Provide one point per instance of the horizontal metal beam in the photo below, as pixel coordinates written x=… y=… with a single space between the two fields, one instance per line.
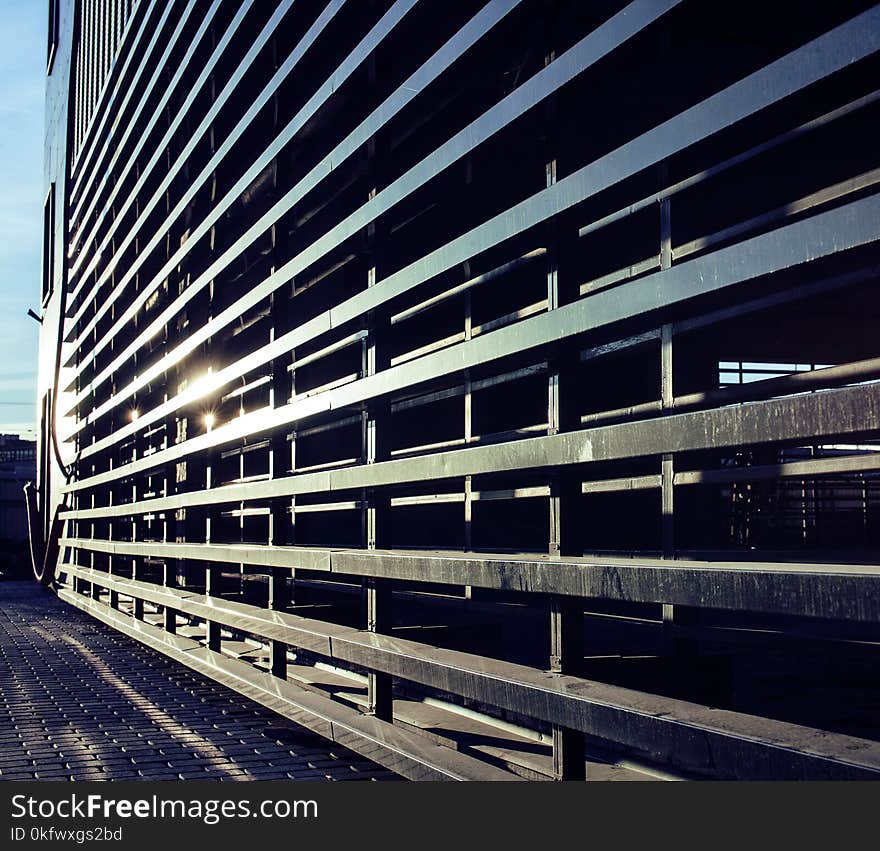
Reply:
x=685 y=735
x=855 y=463
x=854 y=224
x=796 y=382
x=77 y=335
x=369 y=126
x=589 y=50
x=194 y=90
x=143 y=131
x=726 y=165
x=846 y=411
x=833 y=591
x=835 y=49
x=738 y=310
x=625 y=483
x=402 y=751
x=846 y=465
x=802 y=67
x=123 y=87
x=792 y=208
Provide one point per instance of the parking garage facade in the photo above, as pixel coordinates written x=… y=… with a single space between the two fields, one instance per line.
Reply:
x=489 y=387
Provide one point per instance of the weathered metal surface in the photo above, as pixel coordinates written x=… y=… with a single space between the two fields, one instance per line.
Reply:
x=849 y=411
x=688 y=737
x=846 y=591
x=88 y=199
x=527 y=96
x=798 y=243
x=448 y=321
x=405 y=753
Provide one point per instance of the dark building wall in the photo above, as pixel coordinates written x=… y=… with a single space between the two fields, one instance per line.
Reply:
x=421 y=313
x=17 y=466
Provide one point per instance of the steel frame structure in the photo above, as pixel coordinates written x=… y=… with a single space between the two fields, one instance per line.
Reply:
x=380 y=371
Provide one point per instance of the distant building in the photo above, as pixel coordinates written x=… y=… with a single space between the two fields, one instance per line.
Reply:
x=18 y=465
x=14 y=448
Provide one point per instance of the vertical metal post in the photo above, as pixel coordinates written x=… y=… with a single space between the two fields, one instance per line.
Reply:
x=566 y=614
x=667 y=396
x=93 y=591
x=665 y=229
x=213 y=572
x=170 y=613
x=468 y=515
x=666 y=464
x=468 y=429
x=376 y=592
x=114 y=596
x=672 y=615
x=138 y=608
x=566 y=632
x=278 y=602
x=566 y=657
x=669 y=613
x=211 y=588
x=378 y=610
x=138 y=602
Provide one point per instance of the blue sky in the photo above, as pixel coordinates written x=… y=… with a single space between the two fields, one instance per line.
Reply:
x=22 y=72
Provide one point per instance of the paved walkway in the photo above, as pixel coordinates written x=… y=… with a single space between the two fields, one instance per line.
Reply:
x=79 y=701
